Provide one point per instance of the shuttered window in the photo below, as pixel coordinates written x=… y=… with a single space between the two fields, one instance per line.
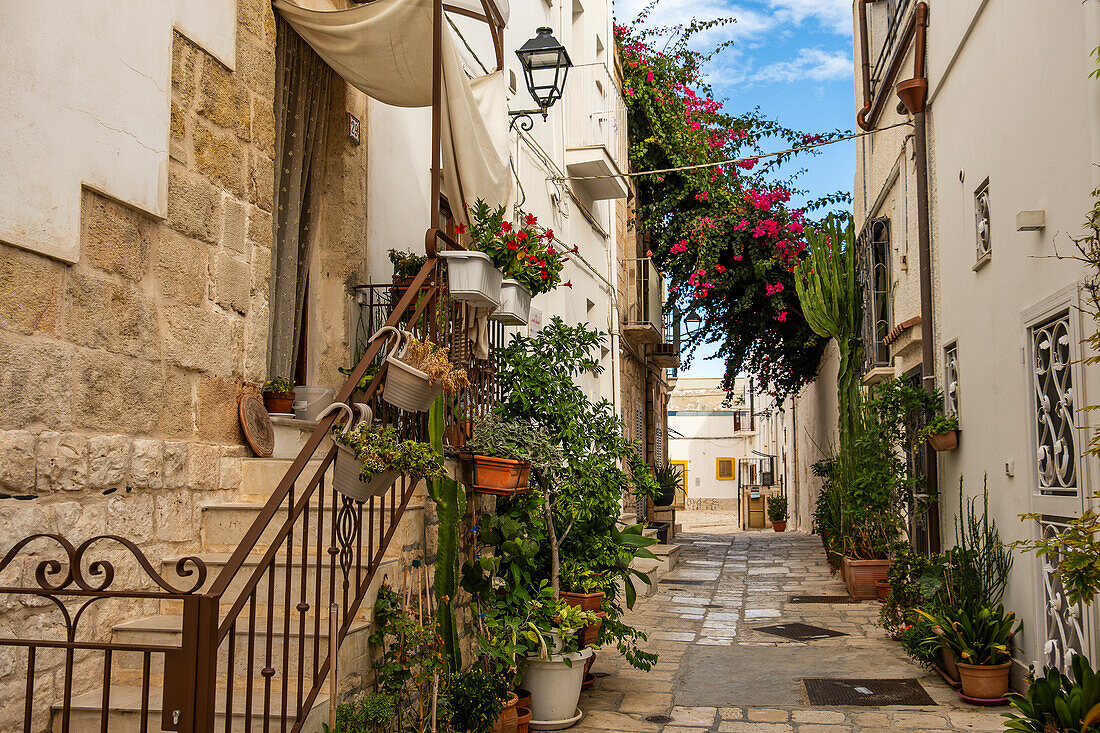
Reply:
x=725 y=469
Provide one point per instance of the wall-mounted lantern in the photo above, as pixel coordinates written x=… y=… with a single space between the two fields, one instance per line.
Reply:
x=545 y=65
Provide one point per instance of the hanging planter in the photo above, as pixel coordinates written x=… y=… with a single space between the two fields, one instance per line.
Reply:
x=417 y=372
x=942 y=442
x=472 y=278
x=371 y=458
x=942 y=433
x=515 y=304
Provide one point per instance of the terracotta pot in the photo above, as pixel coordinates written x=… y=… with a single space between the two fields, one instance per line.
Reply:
x=947 y=659
x=590 y=632
x=882 y=589
x=984 y=681
x=524 y=698
x=860 y=576
x=498 y=476
x=524 y=714
x=584 y=601
x=944 y=441
x=589 y=679
x=508 y=719
x=779 y=525
x=279 y=402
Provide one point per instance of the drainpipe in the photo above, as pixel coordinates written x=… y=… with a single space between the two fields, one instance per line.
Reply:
x=914 y=94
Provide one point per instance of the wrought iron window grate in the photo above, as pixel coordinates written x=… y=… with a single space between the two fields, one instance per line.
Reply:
x=873 y=254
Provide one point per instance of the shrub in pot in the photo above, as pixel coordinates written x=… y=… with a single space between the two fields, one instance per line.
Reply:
x=501 y=453
x=278 y=393
x=980 y=639
x=777 y=512
x=418 y=372
x=554 y=672
x=1058 y=702
x=942 y=433
x=481 y=702
x=370 y=458
x=670 y=477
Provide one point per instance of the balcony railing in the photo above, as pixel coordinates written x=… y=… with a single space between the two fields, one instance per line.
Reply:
x=595 y=112
x=644 y=316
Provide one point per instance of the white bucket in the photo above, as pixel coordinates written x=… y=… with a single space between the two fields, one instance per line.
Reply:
x=407 y=388
x=555 y=688
x=346 y=480
x=515 y=304
x=472 y=278
x=309 y=402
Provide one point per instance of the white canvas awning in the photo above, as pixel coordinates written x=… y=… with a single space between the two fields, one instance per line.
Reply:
x=384 y=49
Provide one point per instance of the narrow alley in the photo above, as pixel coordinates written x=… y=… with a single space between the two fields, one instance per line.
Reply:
x=719 y=672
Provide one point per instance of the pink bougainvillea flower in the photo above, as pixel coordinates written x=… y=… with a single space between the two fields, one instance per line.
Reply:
x=781 y=316
x=720 y=268
x=737 y=258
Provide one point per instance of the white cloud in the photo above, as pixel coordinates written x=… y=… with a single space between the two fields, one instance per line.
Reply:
x=834 y=15
x=812 y=64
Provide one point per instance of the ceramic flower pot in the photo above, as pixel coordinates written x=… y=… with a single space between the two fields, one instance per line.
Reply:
x=984 y=681
x=498 y=476
x=508 y=719
x=346 y=480
x=472 y=278
x=779 y=525
x=583 y=601
x=279 y=403
x=860 y=576
x=882 y=589
x=524 y=696
x=555 y=686
x=947 y=660
x=515 y=304
x=944 y=441
x=523 y=718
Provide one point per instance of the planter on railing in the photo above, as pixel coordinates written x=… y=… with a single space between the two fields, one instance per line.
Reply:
x=472 y=278
x=515 y=304
x=406 y=387
x=942 y=442
x=496 y=476
x=347 y=468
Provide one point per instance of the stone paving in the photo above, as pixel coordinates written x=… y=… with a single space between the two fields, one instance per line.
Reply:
x=718 y=674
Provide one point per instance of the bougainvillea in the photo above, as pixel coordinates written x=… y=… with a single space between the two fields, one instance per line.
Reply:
x=721 y=232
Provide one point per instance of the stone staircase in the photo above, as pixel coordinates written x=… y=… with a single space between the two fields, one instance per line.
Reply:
x=221 y=529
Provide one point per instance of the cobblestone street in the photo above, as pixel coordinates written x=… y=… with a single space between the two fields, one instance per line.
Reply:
x=718 y=673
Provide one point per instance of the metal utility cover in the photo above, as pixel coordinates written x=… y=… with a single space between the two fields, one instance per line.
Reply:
x=673 y=581
x=866 y=693
x=822 y=599
x=799 y=631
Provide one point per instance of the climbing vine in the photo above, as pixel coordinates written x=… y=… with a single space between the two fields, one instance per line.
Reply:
x=723 y=234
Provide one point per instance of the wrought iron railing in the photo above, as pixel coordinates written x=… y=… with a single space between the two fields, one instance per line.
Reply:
x=257 y=645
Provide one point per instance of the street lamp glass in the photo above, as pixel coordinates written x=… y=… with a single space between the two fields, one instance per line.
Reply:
x=545 y=66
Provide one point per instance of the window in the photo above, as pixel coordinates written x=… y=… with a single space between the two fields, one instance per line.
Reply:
x=725 y=471
x=683 y=477
x=951 y=379
x=885 y=25
x=1053 y=406
x=873 y=253
x=983 y=242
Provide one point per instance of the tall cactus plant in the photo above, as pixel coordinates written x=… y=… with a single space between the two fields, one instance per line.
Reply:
x=828 y=289
x=450 y=502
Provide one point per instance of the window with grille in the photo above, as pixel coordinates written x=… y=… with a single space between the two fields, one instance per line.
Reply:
x=951 y=379
x=983 y=240
x=725 y=470
x=873 y=250
x=1053 y=406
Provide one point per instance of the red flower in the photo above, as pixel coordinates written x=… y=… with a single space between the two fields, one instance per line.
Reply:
x=530 y=220
x=521 y=235
x=575 y=249
x=568 y=284
x=720 y=268
x=506 y=226
x=549 y=234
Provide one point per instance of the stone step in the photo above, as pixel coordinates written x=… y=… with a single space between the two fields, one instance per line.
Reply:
x=125 y=711
x=291 y=435
x=224 y=525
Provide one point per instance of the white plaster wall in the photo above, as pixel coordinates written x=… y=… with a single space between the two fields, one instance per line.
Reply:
x=1011 y=100
x=86 y=89
x=814 y=429
x=706 y=439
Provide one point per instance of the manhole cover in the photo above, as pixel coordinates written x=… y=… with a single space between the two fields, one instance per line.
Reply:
x=658 y=719
x=822 y=599
x=866 y=692
x=799 y=631
x=674 y=581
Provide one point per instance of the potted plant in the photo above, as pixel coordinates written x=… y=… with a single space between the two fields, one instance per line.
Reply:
x=554 y=672
x=942 y=433
x=980 y=639
x=669 y=477
x=406 y=266
x=278 y=395
x=418 y=372
x=777 y=512
x=500 y=455
x=530 y=263
x=370 y=458
x=481 y=702
x=1058 y=702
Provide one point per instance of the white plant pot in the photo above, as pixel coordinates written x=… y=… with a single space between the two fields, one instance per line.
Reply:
x=346 y=480
x=515 y=304
x=407 y=387
x=555 y=688
x=472 y=278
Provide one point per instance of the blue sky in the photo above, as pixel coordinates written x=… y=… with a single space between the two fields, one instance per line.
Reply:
x=793 y=60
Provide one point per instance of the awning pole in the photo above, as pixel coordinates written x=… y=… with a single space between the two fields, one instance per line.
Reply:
x=437 y=125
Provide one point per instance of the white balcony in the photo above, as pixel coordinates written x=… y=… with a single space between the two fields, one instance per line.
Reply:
x=596 y=135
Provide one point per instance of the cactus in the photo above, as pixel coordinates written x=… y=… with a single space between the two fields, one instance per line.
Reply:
x=450 y=501
x=829 y=291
